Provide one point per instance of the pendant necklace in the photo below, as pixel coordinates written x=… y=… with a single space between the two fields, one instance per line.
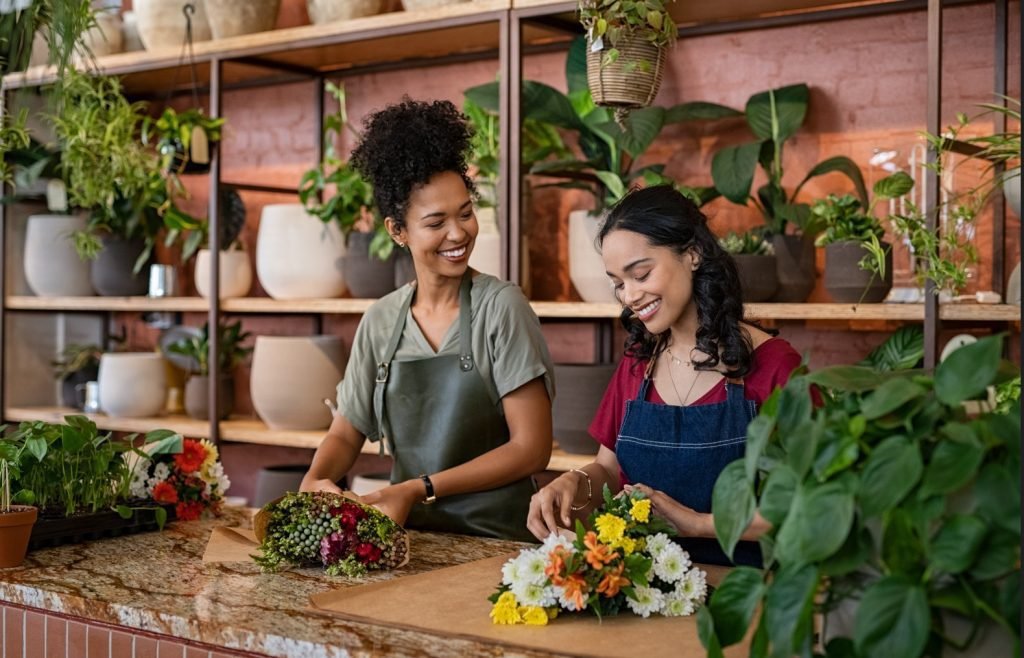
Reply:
x=672 y=378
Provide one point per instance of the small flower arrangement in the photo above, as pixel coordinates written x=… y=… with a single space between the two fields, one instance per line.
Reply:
x=627 y=561
x=192 y=480
x=322 y=528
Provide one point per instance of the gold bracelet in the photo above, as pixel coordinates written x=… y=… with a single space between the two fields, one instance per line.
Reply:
x=590 y=490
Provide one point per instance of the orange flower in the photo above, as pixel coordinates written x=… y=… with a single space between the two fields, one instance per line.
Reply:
x=575 y=587
x=613 y=581
x=191 y=457
x=164 y=492
x=597 y=554
x=556 y=565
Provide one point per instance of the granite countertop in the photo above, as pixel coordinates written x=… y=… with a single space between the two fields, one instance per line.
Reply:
x=157 y=582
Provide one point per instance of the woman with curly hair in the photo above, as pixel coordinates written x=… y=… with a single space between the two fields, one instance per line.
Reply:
x=694 y=372
x=450 y=372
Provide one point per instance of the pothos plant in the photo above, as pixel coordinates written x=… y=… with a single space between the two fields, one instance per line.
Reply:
x=887 y=497
x=351 y=198
x=750 y=243
x=172 y=135
x=615 y=21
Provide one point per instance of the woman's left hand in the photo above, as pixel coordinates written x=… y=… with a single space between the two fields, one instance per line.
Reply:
x=396 y=500
x=687 y=522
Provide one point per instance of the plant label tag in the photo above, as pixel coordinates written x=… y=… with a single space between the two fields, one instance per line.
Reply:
x=56 y=195
x=597 y=45
x=200 y=149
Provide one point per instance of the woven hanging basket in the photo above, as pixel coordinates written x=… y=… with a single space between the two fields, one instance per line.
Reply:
x=625 y=83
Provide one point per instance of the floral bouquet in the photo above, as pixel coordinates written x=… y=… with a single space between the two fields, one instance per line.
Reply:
x=319 y=528
x=630 y=562
x=192 y=480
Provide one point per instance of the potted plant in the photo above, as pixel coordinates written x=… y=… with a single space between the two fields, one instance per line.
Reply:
x=16 y=521
x=627 y=42
x=755 y=263
x=231 y=354
x=773 y=117
x=77 y=365
x=184 y=140
x=889 y=506
x=63 y=25
x=235 y=266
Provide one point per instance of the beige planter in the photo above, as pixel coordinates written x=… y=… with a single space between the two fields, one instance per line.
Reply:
x=416 y=5
x=162 y=24
x=586 y=268
x=106 y=37
x=486 y=256
x=231 y=18
x=132 y=384
x=328 y=11
x=291 y=377
x=130 y=32
x=52 y=266
x=235 y=273
x=297 y=255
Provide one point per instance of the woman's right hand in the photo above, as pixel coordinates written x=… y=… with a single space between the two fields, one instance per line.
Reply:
x=551 y=507
x=319 y=485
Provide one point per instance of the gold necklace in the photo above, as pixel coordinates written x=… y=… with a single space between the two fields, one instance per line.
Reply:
x=672 y=379
x=676 y=360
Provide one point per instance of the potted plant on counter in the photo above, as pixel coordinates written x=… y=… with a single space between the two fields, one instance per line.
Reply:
x=894 y=514
x=755 y=263
x=16 y=521
x=231 y=354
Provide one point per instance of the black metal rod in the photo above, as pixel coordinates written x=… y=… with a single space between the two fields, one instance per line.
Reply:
x=318 y=127
x=998 y=202
x=286 y=67
x=216 y=110
x=3 y=277
x=269 y=189
x=931 y=202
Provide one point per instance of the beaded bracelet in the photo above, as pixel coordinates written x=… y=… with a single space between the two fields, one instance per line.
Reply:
x=590 y=490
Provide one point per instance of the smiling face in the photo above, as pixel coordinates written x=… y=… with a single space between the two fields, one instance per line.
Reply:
x=656 y=283
x=440 y=226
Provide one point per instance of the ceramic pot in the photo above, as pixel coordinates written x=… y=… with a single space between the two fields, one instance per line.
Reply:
x=586 y=268
x=15 y=530
x=366 y=276
x=235 y=273
x=846 y=282
x=486 y=256
x=130 y=32
x=72 y=387
x=794 y=267
x=758 y=277
x=328 y=11
x=52 y=266
x=291 y=377
x=231 y=18
x=297 y=255
x=1013 y=286
x=1011 y=189
x=416 y=5
x=112 y=271
x=106 y=37
x=161 y=23
x=580 y=389
x=132 y=384
x=197 y=397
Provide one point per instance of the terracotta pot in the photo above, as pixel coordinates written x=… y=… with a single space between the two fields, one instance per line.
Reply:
x=291 y=377
x=52 y=266
x=235 y=273
x=15 y=530
x=794 y=266
x=366 y=276
x=161 y=23
x=297 y=255
x=622 y=83
x=580 y=389
x=586 y=268
x=416 y=5
x=328 y=11
x=758 y=277
x=846 y=282
x=197 y=397
x=132 y=384
x=231 y=18
x=486 y=256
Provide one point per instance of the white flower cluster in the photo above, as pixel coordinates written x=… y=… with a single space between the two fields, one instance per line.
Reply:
x=215 y=479
x=524 y=574
x=687 y=585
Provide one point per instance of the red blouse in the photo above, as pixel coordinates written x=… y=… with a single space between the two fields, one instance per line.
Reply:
x=773 y=361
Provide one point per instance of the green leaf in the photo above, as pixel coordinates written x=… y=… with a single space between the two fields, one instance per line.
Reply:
x=124 y=511
x=802 y=444
x=901 y=351
x=853 y=379
x=890 y=472
x=902 y=547
x=789 y=600
x=954 y=548
x=778 y=493
x=851 y=556
x=999 y=555
x=732 y=505
x=161 y=517
x=733 y=604
x=968 y=370
x=840 y=647
x=545 y=103
x=997 y=491
x=758 y=432
x=794 y=406
x=892 y=619
x=732 y=170
x=642 y=128
x=836 y=456
x=73 y=440
x=838 y=164
x=790 y=110
x=953 y=464
x=37 y=447
x=576 y=67
x=616 y=188
x=817 y=524
x=889 y=397
x=706 y=633
x=893 y=186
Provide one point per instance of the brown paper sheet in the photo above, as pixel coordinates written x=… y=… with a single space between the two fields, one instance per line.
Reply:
x=230 y=545
x=453 y=602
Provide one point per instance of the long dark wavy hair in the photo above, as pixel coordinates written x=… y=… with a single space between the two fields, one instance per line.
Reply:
x=666 y=218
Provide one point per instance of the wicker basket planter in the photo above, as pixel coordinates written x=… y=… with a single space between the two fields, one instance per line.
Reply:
x=627 y=82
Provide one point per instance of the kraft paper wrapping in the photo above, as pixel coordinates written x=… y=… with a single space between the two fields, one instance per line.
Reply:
x=231 y=545
x=453 y=602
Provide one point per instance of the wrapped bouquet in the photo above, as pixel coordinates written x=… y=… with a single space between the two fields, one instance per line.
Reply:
x=192 y=478
x=321 y=528
x=627 y=561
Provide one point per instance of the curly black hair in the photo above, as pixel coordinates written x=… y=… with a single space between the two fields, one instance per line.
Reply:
x=405 y=145
x=666 y=218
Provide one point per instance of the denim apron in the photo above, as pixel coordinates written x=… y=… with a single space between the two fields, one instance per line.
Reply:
x=437 y=413
x=682 y=450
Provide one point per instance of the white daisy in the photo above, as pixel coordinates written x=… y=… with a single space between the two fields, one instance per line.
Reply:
x=693 y=586
x=657 y=543
x=671 y=563
x=532 y=567
x=161 y=472
x=678 y=606
x=645 y=601
x=534 y=594
x=553 y=540
x=138 y=486
x=511 y=571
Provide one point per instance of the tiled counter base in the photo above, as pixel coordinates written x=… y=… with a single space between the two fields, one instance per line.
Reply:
x=151 y=595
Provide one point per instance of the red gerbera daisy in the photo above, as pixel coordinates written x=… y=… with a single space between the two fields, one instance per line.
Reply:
x=191 y=456
x=164 y=492
x=189 y=511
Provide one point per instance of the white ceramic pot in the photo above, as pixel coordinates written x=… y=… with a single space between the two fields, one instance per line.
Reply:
x=1011 y=189
x=162 y=24
x=132 y=384
x=586 y=268
x=106 y=37
x=235 y=273
x=291 y=377
x=328 y=11
x=130 y=32
x=231 y=18
x=297 y=255
x=416 y=5
x=52 y=266
x=486 y=256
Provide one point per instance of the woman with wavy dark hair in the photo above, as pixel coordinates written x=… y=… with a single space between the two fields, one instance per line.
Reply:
x=694 y=372
x=451 y=372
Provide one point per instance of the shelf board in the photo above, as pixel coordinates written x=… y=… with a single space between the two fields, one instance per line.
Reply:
x=267 y=305
x=102 y=304
x=184 y=425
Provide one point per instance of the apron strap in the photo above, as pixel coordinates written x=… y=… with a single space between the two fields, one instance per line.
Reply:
x=649 y=372
x=465 y=324
x=384 y=371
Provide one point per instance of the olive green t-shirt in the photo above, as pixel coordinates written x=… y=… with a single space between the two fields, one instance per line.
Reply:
x=508 y=347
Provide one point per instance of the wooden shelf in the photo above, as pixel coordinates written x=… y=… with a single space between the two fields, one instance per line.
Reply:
x=184 y=425
x=105 y=304
x=267 y=305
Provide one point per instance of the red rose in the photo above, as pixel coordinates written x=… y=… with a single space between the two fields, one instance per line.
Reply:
x=164 y=492
x=191 y=457
x=189 y=511
x=367 y=553
x=351 y=515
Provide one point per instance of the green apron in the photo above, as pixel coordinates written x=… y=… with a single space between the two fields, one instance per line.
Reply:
x=437 y=413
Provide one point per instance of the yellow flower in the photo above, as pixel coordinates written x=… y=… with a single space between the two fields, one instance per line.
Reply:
x=641 y=510
x=534 y=615
x=627 y=544
x=211 y=455
x=610 y=528
x=505 y=611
